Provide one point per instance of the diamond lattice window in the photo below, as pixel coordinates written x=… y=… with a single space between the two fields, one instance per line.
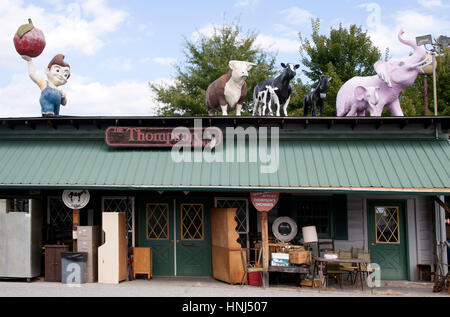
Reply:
x=59 y=215
x=387 y=225
x=192 y=222
x=157 y=221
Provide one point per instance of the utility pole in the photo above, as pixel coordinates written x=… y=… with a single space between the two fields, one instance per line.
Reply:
x=425 y=84
x=434 y=85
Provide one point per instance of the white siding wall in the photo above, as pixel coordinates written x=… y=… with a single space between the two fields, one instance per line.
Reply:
x=424 y=230
x=420 y=227
x=356 y=224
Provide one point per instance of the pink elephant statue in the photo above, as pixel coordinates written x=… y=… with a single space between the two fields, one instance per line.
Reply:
x=392 y=77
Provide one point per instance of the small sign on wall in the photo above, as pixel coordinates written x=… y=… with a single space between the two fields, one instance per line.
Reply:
x=264 y=201
x=75 y=199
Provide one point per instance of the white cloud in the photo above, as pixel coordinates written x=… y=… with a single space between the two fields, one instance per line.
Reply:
x=297 y=16
x=206 y=31
x=413 y=23
x=430 y=3
x=77 y=26
x=165 y=60
x=286 y=31
x=267 y=42
x=276 y=44
x=120 y=64
x=85 y=97
x=245 y=3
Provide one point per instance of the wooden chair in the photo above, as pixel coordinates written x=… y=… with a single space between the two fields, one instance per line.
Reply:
x=364 y=271
x=349 y=268
x=334 y=271
x=248 y=266
x=329 y=246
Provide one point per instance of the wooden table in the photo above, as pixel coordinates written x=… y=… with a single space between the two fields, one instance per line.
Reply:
x=319 y=263
x=289 y=269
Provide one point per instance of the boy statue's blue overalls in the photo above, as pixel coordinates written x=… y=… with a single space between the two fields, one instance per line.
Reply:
x=58 y=71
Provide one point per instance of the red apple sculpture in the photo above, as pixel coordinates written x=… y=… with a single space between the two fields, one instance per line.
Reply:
x=29 y=40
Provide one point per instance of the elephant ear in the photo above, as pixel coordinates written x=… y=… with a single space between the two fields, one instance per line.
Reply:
x=360 y=93
x=382 y=71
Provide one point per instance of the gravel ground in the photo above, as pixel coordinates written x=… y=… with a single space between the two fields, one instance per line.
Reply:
x=205 y=287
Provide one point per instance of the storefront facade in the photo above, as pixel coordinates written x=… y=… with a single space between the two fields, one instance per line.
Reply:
x=369 y=183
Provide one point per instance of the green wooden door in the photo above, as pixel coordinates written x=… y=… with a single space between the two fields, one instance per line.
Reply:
x=180 y=238
x=156 y=231
x=193 y=248
x=387 y=237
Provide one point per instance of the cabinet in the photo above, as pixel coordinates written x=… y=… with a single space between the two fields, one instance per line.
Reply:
x=53 y=262
x=113 y=254
x=89 y=239
x=20 y=238
x=142 y=261
x=226 y=251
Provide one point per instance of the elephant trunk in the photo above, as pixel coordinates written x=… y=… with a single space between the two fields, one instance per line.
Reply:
x=412 y=44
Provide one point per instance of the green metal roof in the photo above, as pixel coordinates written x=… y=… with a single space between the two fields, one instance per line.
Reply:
x=417 y=166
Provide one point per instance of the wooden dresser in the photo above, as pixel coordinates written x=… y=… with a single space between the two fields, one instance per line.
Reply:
x=53 y=261
x=226 y=251
x=142 y=262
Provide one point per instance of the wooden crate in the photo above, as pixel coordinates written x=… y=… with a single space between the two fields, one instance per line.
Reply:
x=300 y=257
x=308 y=283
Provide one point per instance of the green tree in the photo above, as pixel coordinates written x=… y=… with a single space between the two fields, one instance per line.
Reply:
x=206 y=59
x=343 y=54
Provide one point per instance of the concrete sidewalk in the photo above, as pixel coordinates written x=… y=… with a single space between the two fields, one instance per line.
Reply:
x=207 y=287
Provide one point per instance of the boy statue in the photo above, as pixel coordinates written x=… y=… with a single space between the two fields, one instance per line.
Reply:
x=58 y=72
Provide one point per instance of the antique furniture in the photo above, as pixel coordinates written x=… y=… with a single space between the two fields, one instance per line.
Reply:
x=142 y=261
x=53 y=262
x=89 y=239
x=248 y=267
x=426 y=272
x=325 y=246
x=346 y=267
x=20 y=238
x=363 y=270
x=226 y=251
x=320 y=263
x=113 y=254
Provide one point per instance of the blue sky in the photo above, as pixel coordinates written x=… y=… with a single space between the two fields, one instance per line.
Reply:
x=116 y=47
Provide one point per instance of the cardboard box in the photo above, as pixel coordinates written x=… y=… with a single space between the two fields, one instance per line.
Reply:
x=280 y=259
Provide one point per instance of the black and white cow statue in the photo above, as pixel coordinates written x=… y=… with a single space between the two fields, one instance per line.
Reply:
x=281 y=85
x=265 y=100
x=315 y=98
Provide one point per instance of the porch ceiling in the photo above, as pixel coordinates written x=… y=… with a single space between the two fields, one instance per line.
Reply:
x=415 y=166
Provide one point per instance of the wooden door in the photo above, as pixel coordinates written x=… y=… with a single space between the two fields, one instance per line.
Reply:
x=157 y=232
x=387 y=237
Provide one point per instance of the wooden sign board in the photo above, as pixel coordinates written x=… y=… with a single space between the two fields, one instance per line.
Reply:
x=162 y=137
x=264 y=201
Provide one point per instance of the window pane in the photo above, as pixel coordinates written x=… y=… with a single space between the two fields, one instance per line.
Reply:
x=314 y=213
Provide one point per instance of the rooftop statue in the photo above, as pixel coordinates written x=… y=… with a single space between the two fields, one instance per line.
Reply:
x=58 y=72
x=29 y=42
x=371 y=94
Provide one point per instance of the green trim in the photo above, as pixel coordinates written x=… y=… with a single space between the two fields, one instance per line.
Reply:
x=427 y=192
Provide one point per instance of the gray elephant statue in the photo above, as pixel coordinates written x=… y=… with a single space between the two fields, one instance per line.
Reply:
x=392 y=77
